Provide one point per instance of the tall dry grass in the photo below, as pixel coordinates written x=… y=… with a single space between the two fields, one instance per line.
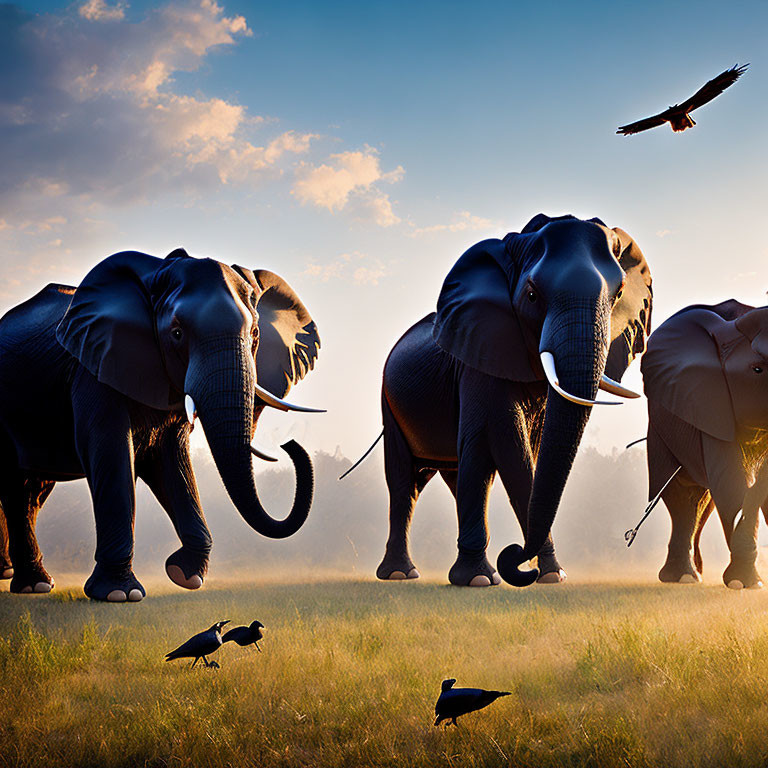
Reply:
x=630 y=675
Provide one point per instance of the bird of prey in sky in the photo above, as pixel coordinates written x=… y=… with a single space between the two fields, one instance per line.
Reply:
x=678 y=115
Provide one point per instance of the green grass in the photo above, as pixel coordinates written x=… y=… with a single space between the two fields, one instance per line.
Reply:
x=601 y=676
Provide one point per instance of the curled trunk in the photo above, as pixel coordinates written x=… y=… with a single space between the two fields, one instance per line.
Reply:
x=577 y=338
x=221 y=381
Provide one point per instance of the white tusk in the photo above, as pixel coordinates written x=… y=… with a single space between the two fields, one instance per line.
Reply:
x=262 y=454
x=283 y=405
x=189 y=407
x=609 y=385
x=548 y=364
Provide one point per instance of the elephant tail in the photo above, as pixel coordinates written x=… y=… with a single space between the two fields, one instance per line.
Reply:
x=364 y=456
x=635 y=442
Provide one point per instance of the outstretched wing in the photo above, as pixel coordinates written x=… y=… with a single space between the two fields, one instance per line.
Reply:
x=714 y=88
x=646 y=124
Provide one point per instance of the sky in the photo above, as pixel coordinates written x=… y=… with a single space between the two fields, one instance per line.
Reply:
x=358 y=148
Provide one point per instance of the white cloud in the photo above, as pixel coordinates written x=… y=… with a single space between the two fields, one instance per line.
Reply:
x=663 y=232
x=86 y=120
x=461 y=221
x=357 y=268
x=98 y=10
x=346 y=176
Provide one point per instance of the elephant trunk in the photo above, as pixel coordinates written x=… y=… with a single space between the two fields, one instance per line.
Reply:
x=220 y=380
x=577 y=338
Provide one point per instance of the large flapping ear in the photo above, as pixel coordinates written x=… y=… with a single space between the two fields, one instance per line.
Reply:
x=288 y=338
x=476 y=321
x=754 y=325
x=110 y=328
x=631 y=314
x=682 y=371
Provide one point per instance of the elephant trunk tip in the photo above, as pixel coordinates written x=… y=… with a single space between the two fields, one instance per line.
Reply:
x=508 y=565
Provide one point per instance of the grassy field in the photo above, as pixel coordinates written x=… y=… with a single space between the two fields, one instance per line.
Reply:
x=627 y=675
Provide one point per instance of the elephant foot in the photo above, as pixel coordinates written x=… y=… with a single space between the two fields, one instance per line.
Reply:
x=394 y=568
x=114 y=585
x=553 y=577
x=473 y=571
x=679 y=572
x=550 y=570
x=187 y=568
x=738 y=576
x=6 y=573
x=32 y=581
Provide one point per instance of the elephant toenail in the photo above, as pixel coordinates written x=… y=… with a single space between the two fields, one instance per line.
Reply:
x=496 y=578
x=43 y=587
x=176 y=575
x=116 y=596
x=735 y=584
x=7 y=574
x=689 y=578
x=135 y=595
x=480 y=581
x=26 y=590
x=413 y=574
x=397 y=576
x=553 y=577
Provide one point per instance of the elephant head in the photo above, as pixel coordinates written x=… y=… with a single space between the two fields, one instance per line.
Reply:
x=566 y=301
x=224 y=341
x=708 y=365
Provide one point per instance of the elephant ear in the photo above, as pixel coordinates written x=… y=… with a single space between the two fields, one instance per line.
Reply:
x=754 y=325
x=288 y=338
x=631 y=314
x=475 y=320
x=109 y=327
x=683 y=372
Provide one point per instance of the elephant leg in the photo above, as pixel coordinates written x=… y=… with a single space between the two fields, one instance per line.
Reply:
x=404 y=483
x=22 y=496
x=686 y=503
x=516 y=468
x=473 y=484
x=742 y=570
x=6 y=567
x=705 y=514
x=104 y=445
x=167 y=470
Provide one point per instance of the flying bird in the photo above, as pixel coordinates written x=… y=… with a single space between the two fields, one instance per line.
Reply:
x=454 y=702
x=243 y=636
x=200 y=645
x=678 y=115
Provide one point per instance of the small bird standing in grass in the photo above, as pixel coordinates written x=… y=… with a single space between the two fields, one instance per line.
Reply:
x=243 y=636
x=454 y=702
x=200 y=645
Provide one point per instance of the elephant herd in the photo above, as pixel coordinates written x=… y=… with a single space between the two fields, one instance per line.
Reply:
x=107 y=379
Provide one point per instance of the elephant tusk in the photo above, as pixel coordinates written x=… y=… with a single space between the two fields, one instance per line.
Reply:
x=609 y=385
x=189 y=407
x=283 y=405
x=548 y=364
x=262 y=454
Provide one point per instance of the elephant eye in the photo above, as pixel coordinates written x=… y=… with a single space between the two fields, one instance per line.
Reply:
x=176 y=333
x=757 y=368
x=531 y=295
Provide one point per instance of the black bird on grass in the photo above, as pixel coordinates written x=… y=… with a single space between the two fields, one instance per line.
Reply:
x=678 y=115
x=243 y=636
x=200 y=645
x=454 y=702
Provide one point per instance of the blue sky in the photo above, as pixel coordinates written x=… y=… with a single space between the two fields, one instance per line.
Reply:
x=358 y=149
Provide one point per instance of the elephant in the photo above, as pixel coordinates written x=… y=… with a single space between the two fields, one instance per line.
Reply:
x=502 y=378
x=704 y=375
x=105 y=381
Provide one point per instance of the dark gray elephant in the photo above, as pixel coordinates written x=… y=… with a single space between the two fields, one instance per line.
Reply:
x=706 y=379
x=95 y=382
x=503 y=378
